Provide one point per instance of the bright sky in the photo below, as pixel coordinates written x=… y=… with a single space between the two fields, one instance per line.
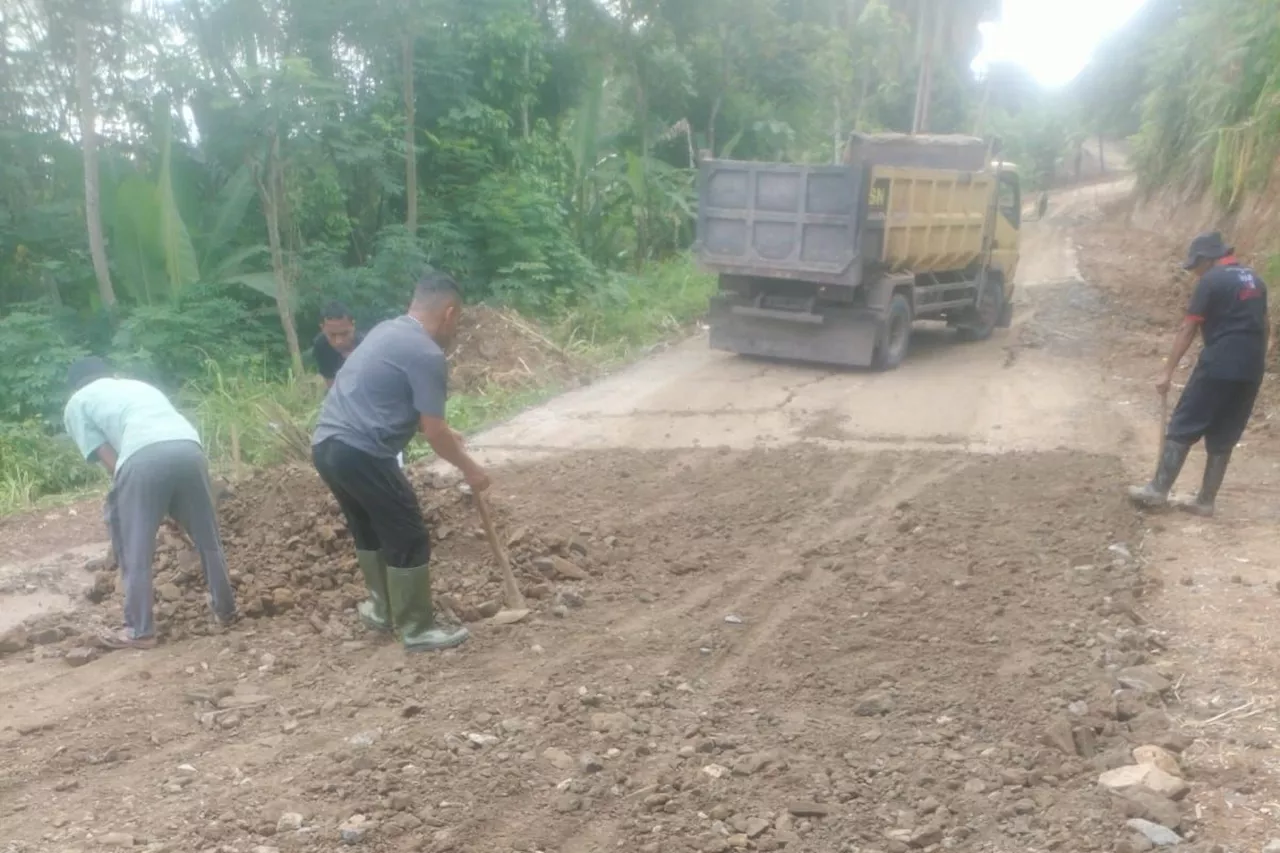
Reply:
x=1053 y=39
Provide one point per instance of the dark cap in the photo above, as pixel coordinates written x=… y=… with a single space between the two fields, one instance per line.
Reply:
x=87 y=370
x=1207 y=247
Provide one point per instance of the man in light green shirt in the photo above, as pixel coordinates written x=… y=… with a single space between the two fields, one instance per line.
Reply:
x=158 y=469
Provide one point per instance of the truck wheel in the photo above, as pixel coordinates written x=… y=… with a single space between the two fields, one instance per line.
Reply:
x=983 y=320
x=895 y=335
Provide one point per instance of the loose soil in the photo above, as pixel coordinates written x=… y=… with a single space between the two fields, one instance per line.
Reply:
x=799 y=646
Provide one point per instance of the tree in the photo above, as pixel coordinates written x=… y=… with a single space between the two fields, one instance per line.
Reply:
x=89 y=146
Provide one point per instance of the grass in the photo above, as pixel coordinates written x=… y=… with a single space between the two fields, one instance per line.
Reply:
x=248 y=416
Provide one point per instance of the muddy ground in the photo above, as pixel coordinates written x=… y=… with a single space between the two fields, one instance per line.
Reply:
x=775 y=607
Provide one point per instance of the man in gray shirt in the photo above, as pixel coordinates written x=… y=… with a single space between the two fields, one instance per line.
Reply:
x=391 y=387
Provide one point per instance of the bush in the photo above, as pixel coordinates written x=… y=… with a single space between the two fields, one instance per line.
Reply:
x=35 y=464
x=33 y=377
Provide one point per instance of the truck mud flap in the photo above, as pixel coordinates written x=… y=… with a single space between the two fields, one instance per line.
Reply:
x=830 y=334
x=1006 y=316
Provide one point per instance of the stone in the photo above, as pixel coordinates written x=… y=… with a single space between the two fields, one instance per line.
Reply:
x=590 y=763
x=1158 y=835
x=873 y=705
x=925 y=837
x=751 y=764
x=739 y=841
x=13 y=641
x=610 y=722
x=354 y=829
x=1145 y=804
x=566 y=570
x=168 y=592
x=289 y=822
x=802 y=808
x=1158 y=757
x=45 y=637
x=116 y=840
x=756 y=827
x=1059 y=735
x=1145 y=777
x=480 y=739
x=1144 y=679
x=566 y=803
x=1273 y=846
x=80 y=656
x=282 y=598
x=558 y=758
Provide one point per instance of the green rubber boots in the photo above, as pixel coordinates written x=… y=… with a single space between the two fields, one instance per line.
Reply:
x=400 y=599
x=413 y=615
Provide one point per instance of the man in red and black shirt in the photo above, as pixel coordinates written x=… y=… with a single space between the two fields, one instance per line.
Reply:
x=1229 y=308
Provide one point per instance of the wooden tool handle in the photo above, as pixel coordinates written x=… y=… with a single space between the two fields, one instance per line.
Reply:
x=511 y=589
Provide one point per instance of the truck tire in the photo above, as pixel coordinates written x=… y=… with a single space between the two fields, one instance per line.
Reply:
x=983 y=321
x=895 y=335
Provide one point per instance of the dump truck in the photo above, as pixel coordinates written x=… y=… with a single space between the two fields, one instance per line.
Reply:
x=833 y=263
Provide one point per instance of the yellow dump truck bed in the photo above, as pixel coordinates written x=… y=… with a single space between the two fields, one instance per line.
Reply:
x=930 y=220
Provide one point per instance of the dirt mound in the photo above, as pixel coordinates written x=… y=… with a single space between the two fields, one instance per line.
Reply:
x=498 y=347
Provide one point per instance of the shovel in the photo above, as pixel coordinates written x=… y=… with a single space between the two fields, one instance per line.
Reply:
x=516 y=608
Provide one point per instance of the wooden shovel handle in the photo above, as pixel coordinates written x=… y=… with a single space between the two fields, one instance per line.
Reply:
x=511 y=589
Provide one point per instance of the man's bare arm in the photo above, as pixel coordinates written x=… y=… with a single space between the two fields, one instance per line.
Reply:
x=448 y=446
x=107 y=456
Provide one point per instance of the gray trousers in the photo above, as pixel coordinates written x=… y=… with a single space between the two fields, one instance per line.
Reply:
x=169 y=478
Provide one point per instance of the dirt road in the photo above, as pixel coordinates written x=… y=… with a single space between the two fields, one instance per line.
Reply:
x=778 y=608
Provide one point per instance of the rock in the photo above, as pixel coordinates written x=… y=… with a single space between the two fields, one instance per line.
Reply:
x=82 y=655
x=282 y=599
x=1144 y=776
x=489 y=609
x=1273 y=846
x=611 y=722
x=739 y=841
x=715 y=845
x=566 y=803
x=169 y=592
x=590 y=763
x=1145 y=804
x=749 y=765
x=565 y=570
x=116 y=840
x=1144 y=679
x=801 y=808
x=354 y=829
x=756 y=827
x=289 y=822
x=1059 y=735
x=1158 y=757
x=1158 y=835
x=570 y=599
x=873 y=705
x=262 y=848
x=558 y=758
x=926 y=837
x=480 y=740
x=13 y=641
x=45 y=637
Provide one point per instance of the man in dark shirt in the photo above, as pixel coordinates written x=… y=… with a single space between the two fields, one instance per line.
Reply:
x=1229 y=308
x=393 y=386
x=337 y=340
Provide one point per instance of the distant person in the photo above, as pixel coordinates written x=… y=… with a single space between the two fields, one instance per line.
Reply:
x=1229 y=309
x=157 y=469
x=395 y=385
x=338 y=338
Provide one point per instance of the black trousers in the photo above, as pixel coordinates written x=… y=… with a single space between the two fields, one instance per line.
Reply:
x=380 y=506
x=1216 y=410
